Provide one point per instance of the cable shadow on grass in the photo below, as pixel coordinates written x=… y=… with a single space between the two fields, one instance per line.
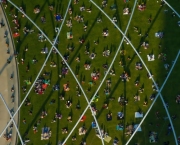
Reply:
x=124 y=121
x=117 y=13
x=144 y=38
x=58 y=109
x=52 y=16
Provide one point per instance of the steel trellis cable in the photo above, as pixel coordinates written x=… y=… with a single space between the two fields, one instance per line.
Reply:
x=105 y=74
x=53 y=45
x=142 y=62
x=172 y=8
x=12 y=120
x=62 y=58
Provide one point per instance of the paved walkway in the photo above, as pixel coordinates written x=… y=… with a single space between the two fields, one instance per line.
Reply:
x=6 y=83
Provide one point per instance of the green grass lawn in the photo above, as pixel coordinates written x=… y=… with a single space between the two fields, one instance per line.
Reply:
x=169 y=44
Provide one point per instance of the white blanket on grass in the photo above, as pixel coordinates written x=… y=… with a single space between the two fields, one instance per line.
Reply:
x=136 y=125
x=151 y=57
x=138 y=115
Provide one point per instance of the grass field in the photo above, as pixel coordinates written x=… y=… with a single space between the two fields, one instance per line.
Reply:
x=161 y=21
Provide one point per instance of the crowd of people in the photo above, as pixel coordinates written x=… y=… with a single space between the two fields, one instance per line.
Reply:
x=42 y=83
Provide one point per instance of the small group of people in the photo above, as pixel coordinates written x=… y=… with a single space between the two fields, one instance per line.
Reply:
x=125 y=77
x=41 y=85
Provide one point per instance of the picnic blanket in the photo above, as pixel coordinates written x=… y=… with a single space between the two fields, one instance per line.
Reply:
x=83 y=118
x=93 y=124
x=151 y=57
x=28 y=82
x=159 y=34
x=82 y=131
x=16 y=35
x=118 y=127
x=120 y=115
x=44 y=86
x=44 y=50
x=138 y=115
x=153 y=137
x=136 y=125
x=107 y=139
x=69 y=35
x=46 y=134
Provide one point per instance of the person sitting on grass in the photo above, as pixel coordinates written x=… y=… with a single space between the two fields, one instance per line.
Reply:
x=43 y=114
x=53 y=120
x=69 y=119
x=76 y=2
x=30 y=112
x=94 y=109
x=89 y=10
x=70 y=10
x=58 y=17
x=112 y=72
x=64 y=130
x=51 y=8
x=81 y=40
x=141 y=90
x=37 y=10
x=105 y=33
x=43 y=19
x=174 y=117
x=56 y=88
x=82 y=130
x=109 y=116
x=138 y=66
x=92 y=55
x=53 y=64
x=105 y=106
x=169 y=129
x=136 y=83
x=87 y=66
x=152 y=97
x=35 y=129
x=106 y=91
x=78 y=107
x=83 y=143
x=145 y=103
x=66 y=87
x=73 y=138
x=178 y=99
x=52 y=101
x=142 y=7
x=58 y=115
x=68 y=104
x=61 y=97
x=46 y=73
x=104 y=3
x=106 y=53
x=119 y=126
x=27 y=102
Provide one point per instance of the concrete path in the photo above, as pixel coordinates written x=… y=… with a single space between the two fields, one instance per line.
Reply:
x=6 y=84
